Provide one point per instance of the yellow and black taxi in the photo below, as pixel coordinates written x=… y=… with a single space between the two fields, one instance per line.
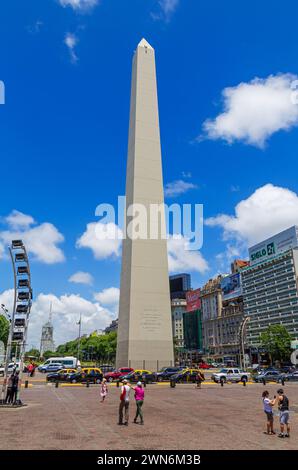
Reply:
x=90 y=374
x=60 y=375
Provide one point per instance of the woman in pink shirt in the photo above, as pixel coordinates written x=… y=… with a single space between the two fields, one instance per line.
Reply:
x=139 y=397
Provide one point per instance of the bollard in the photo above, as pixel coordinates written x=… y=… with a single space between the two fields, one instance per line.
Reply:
x=244 y=382
x=87 y=384
x=173 y=383
x=26 y=383
x=222 y=382
x=118 y=383
x=264 y=381
x=283 y=381
x=56 y=384
x=144 y=383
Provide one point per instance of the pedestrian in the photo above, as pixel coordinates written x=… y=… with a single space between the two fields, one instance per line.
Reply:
x=284 y=414
x=268 y=405
x=9 y=396
x=103 y=390
x=200 y=378
x=124 y=403
x=15 y=386
x=139 y=397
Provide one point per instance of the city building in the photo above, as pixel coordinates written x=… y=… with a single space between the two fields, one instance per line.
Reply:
x=269 y=285
x=192 y=329
x=211 y=299
x=178 y=307
x=145 y=327
x=223 y=314
x=179 y=285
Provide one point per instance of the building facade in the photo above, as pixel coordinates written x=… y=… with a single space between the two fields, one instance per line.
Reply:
x=270 y=292
x=179 y=285
x=178 y=307
x=211 y=305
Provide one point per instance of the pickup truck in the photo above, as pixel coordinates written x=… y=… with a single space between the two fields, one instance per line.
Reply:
x=230 y=375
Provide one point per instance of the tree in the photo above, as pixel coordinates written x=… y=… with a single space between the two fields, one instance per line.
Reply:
x=99 y=347
x=48 y=354
x=4 y=329
x=33 y=352
x=277 y=342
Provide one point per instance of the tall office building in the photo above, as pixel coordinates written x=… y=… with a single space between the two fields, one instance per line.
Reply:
x=269 y=285
x=144 y=328
x=179 y=285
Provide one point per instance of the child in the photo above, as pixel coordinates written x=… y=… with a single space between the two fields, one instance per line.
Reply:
x=268 y=404
x=103 y=390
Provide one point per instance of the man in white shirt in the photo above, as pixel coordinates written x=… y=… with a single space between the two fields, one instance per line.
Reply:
x=124 y=403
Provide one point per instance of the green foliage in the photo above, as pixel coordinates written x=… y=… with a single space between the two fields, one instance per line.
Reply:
x=33 y=352
x=93 y=347
x=277 y=341
x=4 y=329
x=48 y=354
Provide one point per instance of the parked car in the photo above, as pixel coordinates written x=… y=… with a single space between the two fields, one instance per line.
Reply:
x=270 y=376
x=106 y=368
x=230 y=375
x=117 y=373
x=91 y=374
x=140 y=374
x=166 y=372
x=186 y=375
x=292 y=376
x=204 y=365
x=60 y=375
x=52 y=367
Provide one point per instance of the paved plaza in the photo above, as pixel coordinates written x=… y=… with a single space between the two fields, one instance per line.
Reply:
x=215 y=417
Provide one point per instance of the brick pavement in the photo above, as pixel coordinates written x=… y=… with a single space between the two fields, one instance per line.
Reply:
x=214 y=417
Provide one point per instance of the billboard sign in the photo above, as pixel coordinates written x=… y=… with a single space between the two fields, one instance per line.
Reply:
x=274 y=246
x=231 y=286
x=193 y=300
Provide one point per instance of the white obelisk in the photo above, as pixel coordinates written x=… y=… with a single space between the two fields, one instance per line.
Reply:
x=145 y=329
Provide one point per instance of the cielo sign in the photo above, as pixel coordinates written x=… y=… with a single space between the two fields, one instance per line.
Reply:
x=268 y=251
x=276 y=245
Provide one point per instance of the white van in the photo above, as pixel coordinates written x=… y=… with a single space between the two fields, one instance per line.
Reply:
x=69 y=362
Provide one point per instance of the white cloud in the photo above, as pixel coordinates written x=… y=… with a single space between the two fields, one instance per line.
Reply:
x=81 y=278
x=79 y=5
x=103 y=239
x=255 y=110
x=269 y=210
x=71 y=40
x=18 y=220
x=66 y=311
x=167 y=9
x=178 y=187
x=40 y=240
x=108 y=296
x=182 y=259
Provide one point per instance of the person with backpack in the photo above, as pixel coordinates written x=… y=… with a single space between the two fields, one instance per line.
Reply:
x=268 y=405
x=124 y=403
x=283 y=406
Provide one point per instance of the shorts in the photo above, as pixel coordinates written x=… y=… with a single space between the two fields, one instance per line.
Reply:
x=284 y=417
x=269 y=415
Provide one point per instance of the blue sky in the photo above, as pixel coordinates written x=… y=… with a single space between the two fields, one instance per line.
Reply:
x=66 y=66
